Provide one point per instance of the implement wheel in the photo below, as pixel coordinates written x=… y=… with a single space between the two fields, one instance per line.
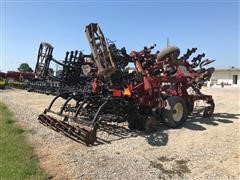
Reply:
x=176 y=114
x=136 y=121
x=171 y=51
x=208 y=111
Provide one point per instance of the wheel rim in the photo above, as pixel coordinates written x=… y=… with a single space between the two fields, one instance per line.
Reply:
x=177 y=112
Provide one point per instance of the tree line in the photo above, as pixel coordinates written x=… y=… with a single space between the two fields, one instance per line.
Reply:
x=24 y=67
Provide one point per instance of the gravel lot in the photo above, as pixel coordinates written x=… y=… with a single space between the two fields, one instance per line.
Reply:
x=204 y=148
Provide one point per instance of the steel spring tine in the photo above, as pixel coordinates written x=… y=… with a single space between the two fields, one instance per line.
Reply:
x=71 y=56
x=198 y=57
x=65 y=104
x=75 y=56
x=80 y=57
x=188 y=53
x=66 y=56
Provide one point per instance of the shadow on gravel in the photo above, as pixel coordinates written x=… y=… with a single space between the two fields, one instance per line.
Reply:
x=194 y=122
x=109 y=133
x=158 y=137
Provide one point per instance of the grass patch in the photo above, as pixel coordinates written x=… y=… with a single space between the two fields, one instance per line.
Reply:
x=17 y=84
x=17 y=159
x=177 y=169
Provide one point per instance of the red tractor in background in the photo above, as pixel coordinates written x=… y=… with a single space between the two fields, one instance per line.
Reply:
x=17 y=76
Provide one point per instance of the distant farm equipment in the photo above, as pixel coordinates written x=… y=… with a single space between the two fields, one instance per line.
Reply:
x=99 y=89
x=16 y=79
x=17 y=76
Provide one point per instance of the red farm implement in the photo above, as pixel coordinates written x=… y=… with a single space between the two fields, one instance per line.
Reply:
x=98 y=88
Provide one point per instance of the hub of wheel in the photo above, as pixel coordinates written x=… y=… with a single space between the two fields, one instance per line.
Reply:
x=177 y=112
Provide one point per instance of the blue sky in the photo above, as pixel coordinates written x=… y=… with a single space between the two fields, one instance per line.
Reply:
x=212 y=27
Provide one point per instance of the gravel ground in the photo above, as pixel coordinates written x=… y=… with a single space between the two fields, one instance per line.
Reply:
x=204 y=148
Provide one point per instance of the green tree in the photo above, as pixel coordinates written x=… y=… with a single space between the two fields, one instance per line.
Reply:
x=24 y=67
x=50 y=71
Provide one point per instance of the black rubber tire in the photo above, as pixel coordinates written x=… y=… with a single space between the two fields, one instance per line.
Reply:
x=136 y=122
x=167 y=115
x=171 y=51
x=190 y=107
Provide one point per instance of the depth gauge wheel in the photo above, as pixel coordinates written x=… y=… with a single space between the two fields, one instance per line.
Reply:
x=171 y=51
x=208 y=111
x=176 y=114
x=190 y=107
x=136 y=121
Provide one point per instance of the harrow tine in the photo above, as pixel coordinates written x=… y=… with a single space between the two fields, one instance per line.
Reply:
x=80 y=57
x=66 y=57
x=198 y=57
x=188 y=54
x=85 y=134
x=197 y=60
x=206 y=62
x=65 y=104
x=75 y=56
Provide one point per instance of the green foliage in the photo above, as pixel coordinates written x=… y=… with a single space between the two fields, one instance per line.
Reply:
x=24 y=67
x=3 y=84
x=17 y=157
x=18 y=85
x=50 y=71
